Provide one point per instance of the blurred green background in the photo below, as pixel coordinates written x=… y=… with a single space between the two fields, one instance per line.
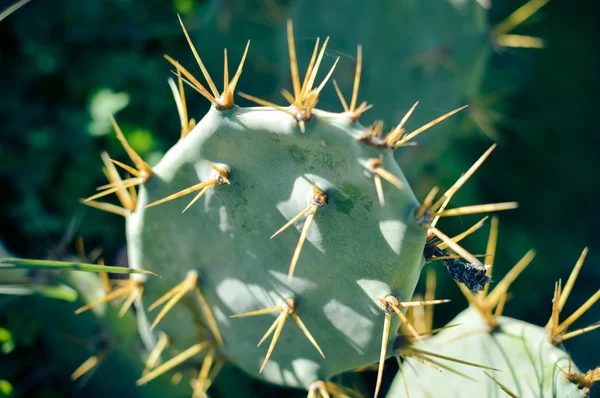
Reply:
x=66 y=66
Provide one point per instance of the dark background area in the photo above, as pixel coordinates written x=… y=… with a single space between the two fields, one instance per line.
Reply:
x=66 y=66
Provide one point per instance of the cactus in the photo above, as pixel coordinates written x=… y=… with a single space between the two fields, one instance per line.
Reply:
x=523 y=360
x=296 y=162
x=348 y=240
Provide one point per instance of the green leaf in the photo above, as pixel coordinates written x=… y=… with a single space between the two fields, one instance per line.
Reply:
x=5 y=388
x=22 y=263
x=7 y=344
x=62 y=292
x=104 y=104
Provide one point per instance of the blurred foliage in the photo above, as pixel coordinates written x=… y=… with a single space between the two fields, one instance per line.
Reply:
x=67 y=66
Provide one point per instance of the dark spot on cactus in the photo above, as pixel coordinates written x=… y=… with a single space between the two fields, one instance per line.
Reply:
x=297 y=154
x=471 y=275
x=344 y=202
x=401 y=342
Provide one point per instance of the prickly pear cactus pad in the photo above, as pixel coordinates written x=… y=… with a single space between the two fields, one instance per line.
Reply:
x=518 y=359
x=528 y=364
x=355 y=250
x=300 y=217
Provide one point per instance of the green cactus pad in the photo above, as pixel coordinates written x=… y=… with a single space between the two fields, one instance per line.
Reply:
x=528 y=365
x=356 y=251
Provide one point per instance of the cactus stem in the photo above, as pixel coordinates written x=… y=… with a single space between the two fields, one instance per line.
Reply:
x=26 y=263
x=161 y=344
x=375 y=167
x=131 y=290
x=92 y=362
x=93 y=256
x=502 y=386
x=221 y=177
x=171 y=363
x=317 y=200
x=173 y=296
